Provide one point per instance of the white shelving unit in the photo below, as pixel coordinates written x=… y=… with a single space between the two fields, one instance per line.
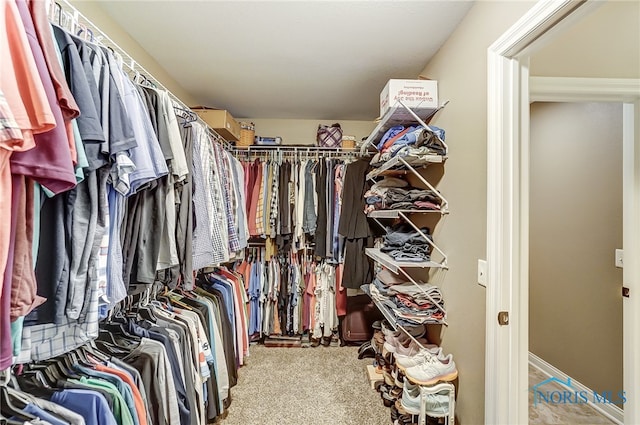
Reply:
x=395 y=162
x=434 y=389
x=399 y=115
x=398 y=213
x=397 y=266
x=402 y=115
x=391 y=318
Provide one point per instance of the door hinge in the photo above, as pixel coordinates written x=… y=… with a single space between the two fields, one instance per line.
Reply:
x=503 y=318
x=625 y=292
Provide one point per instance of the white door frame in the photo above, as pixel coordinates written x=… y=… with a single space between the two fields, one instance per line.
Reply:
x=506 y=362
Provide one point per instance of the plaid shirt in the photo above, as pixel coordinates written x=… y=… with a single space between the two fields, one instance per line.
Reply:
x=260 y=212
x=202 y=244
x=41 y=342
x=225 y=183
x=273 y=216
x=266 y=214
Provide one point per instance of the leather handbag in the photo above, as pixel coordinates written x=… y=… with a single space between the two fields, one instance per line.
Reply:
x=329 y=136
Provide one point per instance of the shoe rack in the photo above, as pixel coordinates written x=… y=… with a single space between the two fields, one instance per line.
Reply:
x=397 y=165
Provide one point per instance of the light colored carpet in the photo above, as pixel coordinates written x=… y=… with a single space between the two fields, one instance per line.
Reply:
x=305 y=386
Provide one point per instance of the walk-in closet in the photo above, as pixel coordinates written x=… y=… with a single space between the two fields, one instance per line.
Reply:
x=263 y=212
x=161 y=260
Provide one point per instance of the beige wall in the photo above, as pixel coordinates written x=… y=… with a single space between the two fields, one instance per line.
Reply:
x=92 y=11
x=460 y=67
x=303 y=132
x=575 y=317
x=606 y=43
x=461 y=70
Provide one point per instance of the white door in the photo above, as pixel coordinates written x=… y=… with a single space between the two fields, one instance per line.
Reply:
x=506 y=371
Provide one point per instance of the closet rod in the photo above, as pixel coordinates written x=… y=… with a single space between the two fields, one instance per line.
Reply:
x=293 y=150
x=99 y=37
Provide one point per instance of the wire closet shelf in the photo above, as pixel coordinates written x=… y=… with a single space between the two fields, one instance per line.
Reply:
x=64 y=14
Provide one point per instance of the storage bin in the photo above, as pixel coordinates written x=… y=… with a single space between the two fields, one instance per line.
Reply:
x=247 y=134
x=221 y=121
x=348 y=142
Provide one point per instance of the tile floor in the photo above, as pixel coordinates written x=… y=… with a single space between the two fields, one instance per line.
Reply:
x=547 y=414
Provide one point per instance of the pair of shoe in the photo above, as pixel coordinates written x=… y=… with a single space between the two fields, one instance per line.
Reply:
x=325 y=341
x=436 y=404
x=390 y=394
x=388 y=331
x=402 y=417
x=366 y=351
x=398 y=377
x=402 y=342
x=415 y=354
x=431 y=368
x=394 y=340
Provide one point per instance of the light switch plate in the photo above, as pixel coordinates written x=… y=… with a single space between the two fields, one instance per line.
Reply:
x=482 y=272
x=619 y=258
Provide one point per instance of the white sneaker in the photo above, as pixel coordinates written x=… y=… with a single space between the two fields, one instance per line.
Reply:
x=435 y=404
x=412 y=349
x=394 y=344
x=432 y=370
x=405 y=362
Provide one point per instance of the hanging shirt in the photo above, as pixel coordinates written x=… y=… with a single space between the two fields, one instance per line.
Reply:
x=49 y=162
x=91 y=405
x=203 y=250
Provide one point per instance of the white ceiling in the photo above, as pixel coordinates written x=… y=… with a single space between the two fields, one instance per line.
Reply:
x=289 y=59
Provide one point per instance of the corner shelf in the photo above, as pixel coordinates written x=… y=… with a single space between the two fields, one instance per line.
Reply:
x=400 y=213
x=398 y=115
x=396 y=266
x=395 y=162
x=391 y=318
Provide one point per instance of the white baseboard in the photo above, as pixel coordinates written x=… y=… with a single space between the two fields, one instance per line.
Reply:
x=609 y=410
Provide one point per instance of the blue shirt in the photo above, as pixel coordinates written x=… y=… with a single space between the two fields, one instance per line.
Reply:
x=43 y=414
x=122 y=387
x=91 y=405
x=227 y=296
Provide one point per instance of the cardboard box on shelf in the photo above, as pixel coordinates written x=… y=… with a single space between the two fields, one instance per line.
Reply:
x=419 y=95
x=221 y=121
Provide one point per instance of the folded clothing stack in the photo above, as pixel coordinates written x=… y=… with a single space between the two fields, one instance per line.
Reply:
x=413 y=143
x=403 y=243
x=411 y=304
x=395 y=194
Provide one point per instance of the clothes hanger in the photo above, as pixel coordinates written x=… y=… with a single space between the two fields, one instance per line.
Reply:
x=146 y=313
x=66 y=365
x=49 y=373
x=56 y=10
x=119 y=326
x=112 y=349
x=91 y=349
x=6 y=421
x=37 y=378
x=20 y=396
x=59 y=371
x=80 y=358
x=105 y=340
x=34 y=384
x=7 y=407
x=109 y=330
